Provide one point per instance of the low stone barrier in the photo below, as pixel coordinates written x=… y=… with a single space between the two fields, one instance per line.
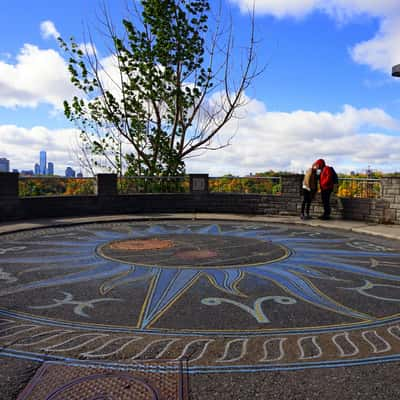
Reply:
x=199 y=200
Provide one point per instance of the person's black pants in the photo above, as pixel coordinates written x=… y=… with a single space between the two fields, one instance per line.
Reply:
x=325 y=197
x=307 y=198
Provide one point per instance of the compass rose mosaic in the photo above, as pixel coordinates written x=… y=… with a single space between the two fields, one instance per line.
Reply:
x=225 y=296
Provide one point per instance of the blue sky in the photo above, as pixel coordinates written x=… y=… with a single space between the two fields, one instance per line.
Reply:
x=326 y=90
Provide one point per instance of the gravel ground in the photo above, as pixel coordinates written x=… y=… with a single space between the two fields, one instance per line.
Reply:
x=14 y=376
x=377 y=382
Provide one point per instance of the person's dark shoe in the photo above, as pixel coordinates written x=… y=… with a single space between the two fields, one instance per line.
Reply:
x=302 y=216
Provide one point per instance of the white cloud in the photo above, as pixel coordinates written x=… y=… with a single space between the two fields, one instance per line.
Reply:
x=110 y=75
x=22 y=146
x=350 y=139
x=380 y=52
x=48 y=30
x=345 y=9
x=88 y=48
x=38 y=76
x=338 y=8
x=292 y=141
x=281 y=8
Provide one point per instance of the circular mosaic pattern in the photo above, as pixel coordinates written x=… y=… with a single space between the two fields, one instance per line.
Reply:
x=194 y=250
x=227 y=296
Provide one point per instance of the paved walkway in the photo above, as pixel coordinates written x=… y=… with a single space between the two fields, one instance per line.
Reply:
x=387 y=231
x=263 y=307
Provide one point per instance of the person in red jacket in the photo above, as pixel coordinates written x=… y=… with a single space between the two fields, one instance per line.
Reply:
x=326 y=184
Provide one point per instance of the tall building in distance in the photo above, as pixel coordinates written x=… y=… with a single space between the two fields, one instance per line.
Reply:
x=4 y=165
x=43 y=162
x=42 y=168
x=69 y=173
x=50 y=168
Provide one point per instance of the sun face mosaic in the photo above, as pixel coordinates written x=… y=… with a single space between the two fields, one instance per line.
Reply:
x=225 y=296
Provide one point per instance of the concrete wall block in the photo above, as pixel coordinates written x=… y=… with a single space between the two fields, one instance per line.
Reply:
x=376 y=214
x=379 y=205
x=106 y=184
x=390 y=199
x=198 y=183
x=389 y=216
x=10 y=209
x=9 y=184
x=388 y=181
x=390 y=186
x=391 y=192
x=291 y=184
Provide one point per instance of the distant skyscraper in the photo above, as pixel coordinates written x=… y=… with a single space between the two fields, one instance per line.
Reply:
x=50 y=168
x=42 y=164
x=37 y=169
x=4 y=165
x=79 y=175
x=69 y=173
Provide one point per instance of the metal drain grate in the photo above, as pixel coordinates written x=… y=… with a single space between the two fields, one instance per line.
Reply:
x=153 y=381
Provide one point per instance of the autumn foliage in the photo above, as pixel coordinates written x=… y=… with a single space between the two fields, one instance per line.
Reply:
x=356 y=185
x=56 y=186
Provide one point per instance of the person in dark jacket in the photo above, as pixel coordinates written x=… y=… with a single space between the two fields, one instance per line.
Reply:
x=326 y=184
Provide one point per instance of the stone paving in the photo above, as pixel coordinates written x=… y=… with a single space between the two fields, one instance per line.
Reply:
x=258 y=307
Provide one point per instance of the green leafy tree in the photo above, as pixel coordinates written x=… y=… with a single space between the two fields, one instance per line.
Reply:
x=172 y=93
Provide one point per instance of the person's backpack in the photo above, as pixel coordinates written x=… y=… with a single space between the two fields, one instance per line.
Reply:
x=335 y=178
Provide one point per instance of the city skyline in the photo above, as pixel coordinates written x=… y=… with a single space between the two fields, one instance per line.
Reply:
x=326 y=92
x=37 y=169
x=42 y=168
x=70 y=172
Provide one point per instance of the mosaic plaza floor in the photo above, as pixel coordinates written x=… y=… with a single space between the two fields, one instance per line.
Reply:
x=226 y=297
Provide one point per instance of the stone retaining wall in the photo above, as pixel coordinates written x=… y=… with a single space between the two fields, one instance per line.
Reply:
x=391 y=194
x=107 y=201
